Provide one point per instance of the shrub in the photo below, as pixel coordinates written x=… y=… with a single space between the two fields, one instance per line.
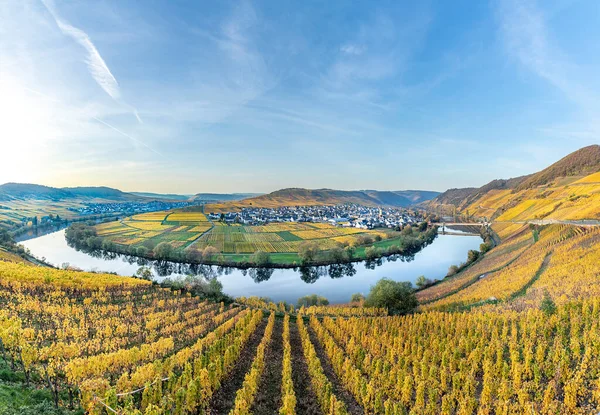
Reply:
x=423 y=282
x=397 y=297
x=310 y=300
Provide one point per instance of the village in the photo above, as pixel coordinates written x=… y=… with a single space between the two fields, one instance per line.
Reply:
x=346 y=215
x=129 y=207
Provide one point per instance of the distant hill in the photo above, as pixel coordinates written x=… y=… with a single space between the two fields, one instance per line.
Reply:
x=299 y=196
x=22 y=191
x=557 y=192
x=11 y=191
x=454 y=197
x=166 y=196
x=417 y=196
x=100 y=193
x=465 y=196
x=223 y=197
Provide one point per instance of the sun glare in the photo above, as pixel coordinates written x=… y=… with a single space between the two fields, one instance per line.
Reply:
x=27 y=129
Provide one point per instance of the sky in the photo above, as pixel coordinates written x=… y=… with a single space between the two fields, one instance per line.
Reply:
x=254 y=96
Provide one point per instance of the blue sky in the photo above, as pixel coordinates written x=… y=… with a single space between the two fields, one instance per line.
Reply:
x=223 y=96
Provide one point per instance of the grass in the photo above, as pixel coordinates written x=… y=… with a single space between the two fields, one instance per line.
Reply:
x=18 y=398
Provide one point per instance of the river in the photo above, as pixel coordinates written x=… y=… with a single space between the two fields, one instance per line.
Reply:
x=337 y=282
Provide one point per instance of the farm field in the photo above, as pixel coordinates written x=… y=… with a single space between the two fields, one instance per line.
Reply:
x=191 y=236
x=106 y=343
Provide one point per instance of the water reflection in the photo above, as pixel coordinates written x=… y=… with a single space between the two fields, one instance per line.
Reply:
x=309 y=275
x=278 y=284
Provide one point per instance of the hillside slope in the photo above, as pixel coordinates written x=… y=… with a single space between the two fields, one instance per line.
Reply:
x=567 y=190
x=579 y=163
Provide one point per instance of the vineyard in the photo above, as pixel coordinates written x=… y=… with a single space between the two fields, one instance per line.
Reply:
x=111 y=344
x=192 y=237
x=565 y=198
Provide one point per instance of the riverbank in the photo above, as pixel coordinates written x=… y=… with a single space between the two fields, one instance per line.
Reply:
x=336 y=282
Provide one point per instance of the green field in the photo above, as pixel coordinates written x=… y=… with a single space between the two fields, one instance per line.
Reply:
x=191 y=236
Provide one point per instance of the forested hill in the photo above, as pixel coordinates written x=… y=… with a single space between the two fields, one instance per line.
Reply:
x=23 y=191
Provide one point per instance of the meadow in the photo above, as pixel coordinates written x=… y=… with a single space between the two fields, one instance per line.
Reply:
x=193 y=237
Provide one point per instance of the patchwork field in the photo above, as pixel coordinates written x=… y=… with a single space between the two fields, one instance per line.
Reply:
x=150 y=229
x=193 y=237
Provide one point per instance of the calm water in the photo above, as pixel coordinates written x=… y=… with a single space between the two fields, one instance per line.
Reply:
x=337 y=283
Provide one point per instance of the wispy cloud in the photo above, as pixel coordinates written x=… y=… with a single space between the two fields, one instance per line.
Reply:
x=95 y=63
x=99 y=120
x=527 y=37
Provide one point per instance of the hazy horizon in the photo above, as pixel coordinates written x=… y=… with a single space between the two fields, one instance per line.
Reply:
x=254 y=96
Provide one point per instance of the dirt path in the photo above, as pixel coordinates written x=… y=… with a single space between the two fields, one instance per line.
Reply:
x=306 y=400
x=338 y=388
x=268 y=398
x=223 y=400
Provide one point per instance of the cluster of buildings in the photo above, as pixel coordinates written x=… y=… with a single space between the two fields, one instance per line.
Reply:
x=348 y=215
x=128 y=207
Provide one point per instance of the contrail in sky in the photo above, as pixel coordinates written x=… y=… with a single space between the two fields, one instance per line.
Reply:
x=96 y=65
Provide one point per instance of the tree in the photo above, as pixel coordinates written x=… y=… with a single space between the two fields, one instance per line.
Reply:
x=307 y=251
x=357 y=298
x=407 y=230
x=310 y=300
x=163 y=250
x=144 y=273
x=397 y=297
x=350 y=250
x=452 y=270
x=472 y=256
x=372 y=252
x=485 y=247
x=260 y=258
x=141 y=251
x=423 y=282
x=338 y=254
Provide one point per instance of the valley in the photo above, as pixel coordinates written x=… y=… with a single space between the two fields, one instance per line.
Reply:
x=510 y=327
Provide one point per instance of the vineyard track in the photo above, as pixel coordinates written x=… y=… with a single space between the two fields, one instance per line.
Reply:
x=339 y=390
x=224 y=398
x=306 y=400
x=268 y=399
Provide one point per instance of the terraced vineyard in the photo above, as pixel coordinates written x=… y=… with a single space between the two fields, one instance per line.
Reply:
x=557 y=260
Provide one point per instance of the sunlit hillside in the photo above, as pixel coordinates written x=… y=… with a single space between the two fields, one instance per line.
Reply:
x=564 y=191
